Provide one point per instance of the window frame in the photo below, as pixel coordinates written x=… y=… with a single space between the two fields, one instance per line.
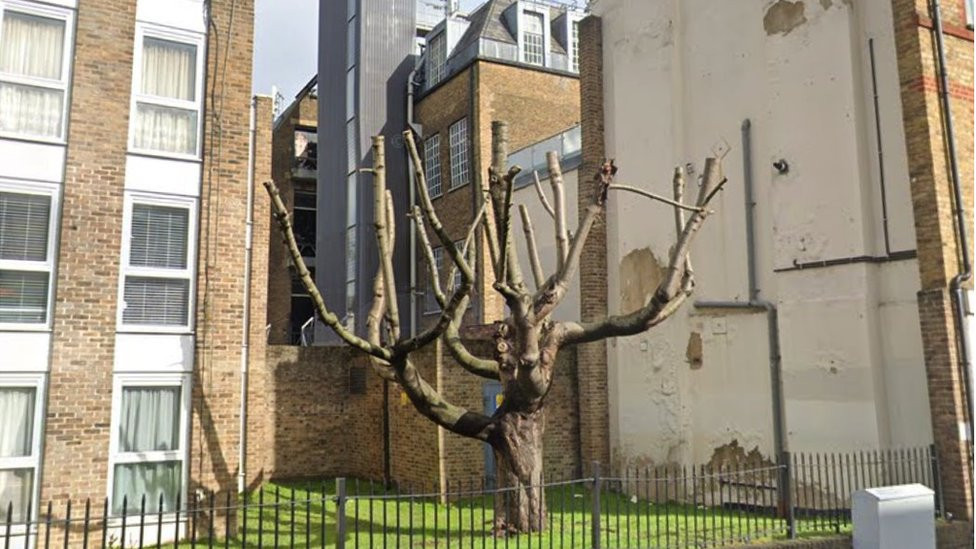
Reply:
x=67 y=54
x=147 y=30
x=116 y=457
x=523 y=32
x=33 y=461
x=50 y=263
x=436 y=59
x=459 y=152
x=431 y=161
x=189 y=273
x=574 y=45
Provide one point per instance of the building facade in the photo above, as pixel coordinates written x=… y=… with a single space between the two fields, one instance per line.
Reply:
x=124 y=171
x=294 y=168
x=822 y=307
x=508 y=60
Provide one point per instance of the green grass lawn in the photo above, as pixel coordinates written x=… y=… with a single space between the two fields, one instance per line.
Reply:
x=306 y=517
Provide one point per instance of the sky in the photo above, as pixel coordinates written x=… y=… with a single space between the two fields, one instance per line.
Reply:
x=285 y=44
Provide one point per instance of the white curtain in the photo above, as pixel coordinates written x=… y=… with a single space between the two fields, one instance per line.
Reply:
x=152 y=480
x=150 y=419
x=165 y=129
x=168 y=69
x=30 y=110
x=16 y=422
x=31 y=45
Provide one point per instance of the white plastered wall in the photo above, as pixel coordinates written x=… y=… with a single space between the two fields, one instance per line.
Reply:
x=680 y=76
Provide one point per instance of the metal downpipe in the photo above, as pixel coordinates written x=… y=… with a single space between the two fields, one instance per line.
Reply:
x=246 y=316
x=966 y=266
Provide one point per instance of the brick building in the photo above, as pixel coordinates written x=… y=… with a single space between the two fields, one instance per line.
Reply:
x=839 y=216
x=508 y=60
x=294 y=167
x=124 y=171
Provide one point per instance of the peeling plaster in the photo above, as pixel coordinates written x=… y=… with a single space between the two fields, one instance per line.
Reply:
x=640 y=273
x=694 y=351
x=784 y=16
x=733 y=455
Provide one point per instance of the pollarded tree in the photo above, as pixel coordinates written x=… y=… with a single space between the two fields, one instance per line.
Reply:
x=528 y=340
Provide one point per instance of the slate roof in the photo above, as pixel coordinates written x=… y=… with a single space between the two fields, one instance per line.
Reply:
x=486 y=22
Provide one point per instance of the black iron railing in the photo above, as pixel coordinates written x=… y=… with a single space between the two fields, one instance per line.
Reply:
x=667 y=506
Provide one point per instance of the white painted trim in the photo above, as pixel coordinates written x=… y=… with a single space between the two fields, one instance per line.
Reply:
x=154 y=353
x=197 y=40
x=37 y=382
x=50 y=263
x=183 y=381
x=168 y=176
x=67 y=54
x=189 y=273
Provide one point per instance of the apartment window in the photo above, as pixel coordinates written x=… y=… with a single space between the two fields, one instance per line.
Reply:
x=26 y=254
x=157 y=269
x=430 y=301
x=432 y=164
x=533 y=38
x=459 y=153
x=969 y=13
x=456 y=281
x=34 y=63
x=166 y=112
x=574 y=51
x=149 y=430
x=436 y=59
x=19 y=443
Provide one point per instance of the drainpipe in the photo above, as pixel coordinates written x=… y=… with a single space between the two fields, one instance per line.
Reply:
x=966 y=266
x=755 y=304
x=246 y=298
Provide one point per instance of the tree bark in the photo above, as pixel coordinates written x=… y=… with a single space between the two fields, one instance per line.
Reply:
x=520 y=506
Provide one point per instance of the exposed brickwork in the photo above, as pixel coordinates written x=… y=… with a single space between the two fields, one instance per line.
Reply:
x=536 y=104
x=312 y=425
x=592 y=357
x=934 y=222
x=214 y=427
x=302 y=114
x=79 y=406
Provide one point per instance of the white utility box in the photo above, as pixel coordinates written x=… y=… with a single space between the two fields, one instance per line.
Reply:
x=894 y=517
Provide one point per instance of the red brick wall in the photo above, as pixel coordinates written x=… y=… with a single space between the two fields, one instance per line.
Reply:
x=934 y=221
x=592 y=357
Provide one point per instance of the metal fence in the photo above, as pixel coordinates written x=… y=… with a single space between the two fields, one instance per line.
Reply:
x=664 y=507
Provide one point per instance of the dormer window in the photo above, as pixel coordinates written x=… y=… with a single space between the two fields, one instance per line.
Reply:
x=436 y=59
x=574 y=51
x=533 y=38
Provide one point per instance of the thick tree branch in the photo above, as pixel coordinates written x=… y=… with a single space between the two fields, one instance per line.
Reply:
x=435 y=277
x=327 y=316
x=381 y=221
x=558 y=196
x=530 y=243
x=677 y=284
x=432 y=405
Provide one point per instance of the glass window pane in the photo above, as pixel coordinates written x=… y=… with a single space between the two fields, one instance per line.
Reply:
x=165 y=129
x=159 y=236
x=169 y=69
x=533 y=38
x=23 y=297
x=156 y=301
x=31 y=45
x=16 y=421
x=149 y=420
x=24 y=221
x=30 y=110
x=134 y=480
x=432 y=164
x=459 y=153
x=16 y=487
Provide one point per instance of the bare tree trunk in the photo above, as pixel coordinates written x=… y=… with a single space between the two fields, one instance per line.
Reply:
x=517 y=442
